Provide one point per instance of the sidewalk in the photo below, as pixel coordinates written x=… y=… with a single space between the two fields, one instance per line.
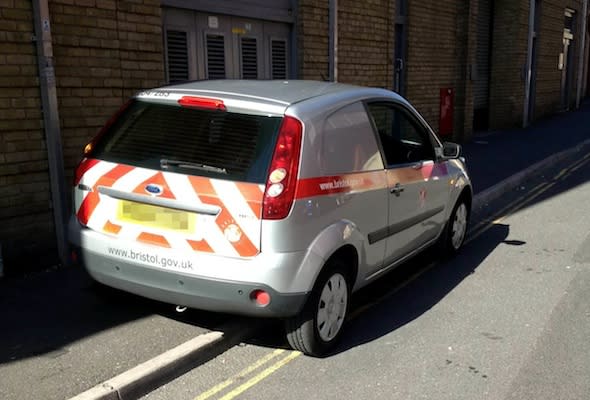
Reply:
x=495 y=156
x=60 y=337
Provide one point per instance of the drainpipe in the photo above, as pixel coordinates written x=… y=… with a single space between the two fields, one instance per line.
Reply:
x=529 y=64
x=51 y=123
x=333 y=41
x=582 y=54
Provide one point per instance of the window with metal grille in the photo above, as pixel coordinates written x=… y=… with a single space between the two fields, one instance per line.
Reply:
x=177 y=55
x=249 y=47
x=217 y=144
x=215 y=56
x=278 y=56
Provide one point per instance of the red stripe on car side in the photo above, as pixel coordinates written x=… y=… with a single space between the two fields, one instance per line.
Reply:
x=325 y=185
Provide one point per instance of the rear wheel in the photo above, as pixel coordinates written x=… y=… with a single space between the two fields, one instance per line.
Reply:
x=317 y=329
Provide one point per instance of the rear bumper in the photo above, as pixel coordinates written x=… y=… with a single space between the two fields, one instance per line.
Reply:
x=194 y=280
x=189 y=291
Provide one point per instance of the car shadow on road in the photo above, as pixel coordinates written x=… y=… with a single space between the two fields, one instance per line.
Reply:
x=386 y=314
x=43 y=313
x=374 y=313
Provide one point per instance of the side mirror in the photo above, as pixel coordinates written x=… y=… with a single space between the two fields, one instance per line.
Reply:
x=451 y=150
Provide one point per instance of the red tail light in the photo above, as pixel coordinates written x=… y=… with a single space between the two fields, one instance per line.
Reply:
x=282 y=179
x=84 y=166
x=202 y=102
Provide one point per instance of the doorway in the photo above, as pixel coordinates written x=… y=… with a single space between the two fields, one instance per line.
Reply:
x=566 y=59
x=481 y=85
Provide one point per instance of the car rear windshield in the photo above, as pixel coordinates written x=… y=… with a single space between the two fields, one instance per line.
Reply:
x=191 y=141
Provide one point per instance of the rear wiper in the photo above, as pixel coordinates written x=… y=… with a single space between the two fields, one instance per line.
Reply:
x=166 y=163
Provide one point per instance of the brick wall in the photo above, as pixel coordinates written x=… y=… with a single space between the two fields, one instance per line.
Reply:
x=24 y=180
x=312 y=39
x=438 y=51
x=365 y=43
x=104 y=51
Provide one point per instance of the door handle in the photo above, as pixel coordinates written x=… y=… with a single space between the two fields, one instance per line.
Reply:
x=397 y=189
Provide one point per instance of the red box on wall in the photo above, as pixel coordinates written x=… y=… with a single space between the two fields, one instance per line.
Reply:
x=447 y=105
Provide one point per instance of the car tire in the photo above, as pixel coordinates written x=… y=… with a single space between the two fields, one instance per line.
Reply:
x=455 y=230
x=318 y=327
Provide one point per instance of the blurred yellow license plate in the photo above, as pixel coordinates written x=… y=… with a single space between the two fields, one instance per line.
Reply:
x=156 y=217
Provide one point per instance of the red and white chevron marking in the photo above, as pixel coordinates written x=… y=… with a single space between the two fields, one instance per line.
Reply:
x=235 y=231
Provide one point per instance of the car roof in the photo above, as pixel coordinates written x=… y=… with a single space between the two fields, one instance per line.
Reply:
x=284 y=92
x=270 y=97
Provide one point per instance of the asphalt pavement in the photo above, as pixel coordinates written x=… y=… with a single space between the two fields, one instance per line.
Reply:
x=61 y=335
x=506 y=319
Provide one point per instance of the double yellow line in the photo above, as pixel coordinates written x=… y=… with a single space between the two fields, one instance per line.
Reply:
x=240 y=376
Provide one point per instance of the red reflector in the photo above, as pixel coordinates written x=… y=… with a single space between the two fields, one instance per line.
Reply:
x=202 y=102
x=261 y=297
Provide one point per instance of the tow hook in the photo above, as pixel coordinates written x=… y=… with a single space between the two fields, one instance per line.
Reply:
x=180 y=309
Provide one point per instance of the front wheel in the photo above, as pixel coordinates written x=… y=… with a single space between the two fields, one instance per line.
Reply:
x=456 y=229
x=316 y=330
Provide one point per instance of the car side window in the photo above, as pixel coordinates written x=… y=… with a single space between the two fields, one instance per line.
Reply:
x=403 y=139
x=348 y=142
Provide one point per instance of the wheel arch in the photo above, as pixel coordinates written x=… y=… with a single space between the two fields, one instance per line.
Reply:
x=347 y=256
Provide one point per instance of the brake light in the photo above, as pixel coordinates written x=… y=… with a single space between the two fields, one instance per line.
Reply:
x=90 y=146
x=84 y=166
x=282 y=179
x=202 y=102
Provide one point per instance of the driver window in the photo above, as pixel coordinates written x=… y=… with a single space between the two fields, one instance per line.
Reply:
x=404 y=141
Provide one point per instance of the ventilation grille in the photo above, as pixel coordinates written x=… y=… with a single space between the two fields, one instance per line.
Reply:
x=176 y=42
x=278 y=49
x=249 y=58
x=215 y=57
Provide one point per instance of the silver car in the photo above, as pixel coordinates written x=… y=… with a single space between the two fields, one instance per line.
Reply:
x=265 y=198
